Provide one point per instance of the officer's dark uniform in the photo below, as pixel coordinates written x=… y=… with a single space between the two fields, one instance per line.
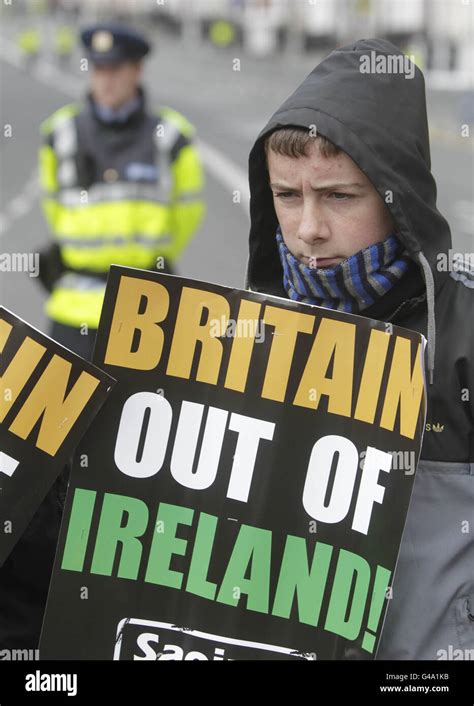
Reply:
x=120 y=187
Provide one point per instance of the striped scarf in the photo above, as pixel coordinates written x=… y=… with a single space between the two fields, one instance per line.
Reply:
x=353 y=284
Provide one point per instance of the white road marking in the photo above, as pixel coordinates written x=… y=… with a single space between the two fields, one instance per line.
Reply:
x=227 y=172
x=4 y=223
x=21 y=204
x=464 y=215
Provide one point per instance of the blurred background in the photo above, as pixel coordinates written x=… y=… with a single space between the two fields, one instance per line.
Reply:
x=226 y=65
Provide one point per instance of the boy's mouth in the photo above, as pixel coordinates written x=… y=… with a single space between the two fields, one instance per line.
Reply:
x=316 y=262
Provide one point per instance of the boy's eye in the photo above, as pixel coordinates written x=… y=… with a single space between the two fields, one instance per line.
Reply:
x=339 y=196
x=285 y=194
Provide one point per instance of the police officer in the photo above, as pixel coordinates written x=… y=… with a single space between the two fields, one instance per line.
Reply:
x=122 y=185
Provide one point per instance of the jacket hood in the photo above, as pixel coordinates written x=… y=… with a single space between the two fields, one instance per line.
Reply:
x=380 y=121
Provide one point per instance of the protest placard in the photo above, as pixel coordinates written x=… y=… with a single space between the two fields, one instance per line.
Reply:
x=48 y=397
x=243 y=491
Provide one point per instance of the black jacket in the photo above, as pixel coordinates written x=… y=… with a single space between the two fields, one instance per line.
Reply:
x=380 y=121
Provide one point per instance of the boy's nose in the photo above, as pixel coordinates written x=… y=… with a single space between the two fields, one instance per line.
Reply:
x=312 y=226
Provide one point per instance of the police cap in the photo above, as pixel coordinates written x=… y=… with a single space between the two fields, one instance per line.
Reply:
x=113 y=43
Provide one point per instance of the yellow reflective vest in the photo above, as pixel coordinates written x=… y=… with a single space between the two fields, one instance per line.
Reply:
x=115 y=193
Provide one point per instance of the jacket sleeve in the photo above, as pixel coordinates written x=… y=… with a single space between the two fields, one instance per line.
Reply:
x=51 y=265
x=187 y=207
x=47 y=172
x=48 y=164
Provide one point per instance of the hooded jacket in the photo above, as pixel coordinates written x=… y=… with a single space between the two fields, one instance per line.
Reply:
x=380 y=121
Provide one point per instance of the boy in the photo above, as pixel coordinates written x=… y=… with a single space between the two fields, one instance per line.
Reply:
x=343 y=215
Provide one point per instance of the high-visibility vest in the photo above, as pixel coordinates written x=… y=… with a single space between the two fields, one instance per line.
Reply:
x=29 y=41
x=64 y=41
x=126 y=196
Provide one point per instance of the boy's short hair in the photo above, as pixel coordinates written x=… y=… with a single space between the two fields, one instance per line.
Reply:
x=294 y=142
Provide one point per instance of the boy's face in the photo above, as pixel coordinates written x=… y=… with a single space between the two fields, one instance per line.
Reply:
x=326 y=207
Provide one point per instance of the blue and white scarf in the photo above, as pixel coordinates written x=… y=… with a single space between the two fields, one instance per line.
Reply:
x=353 y=284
